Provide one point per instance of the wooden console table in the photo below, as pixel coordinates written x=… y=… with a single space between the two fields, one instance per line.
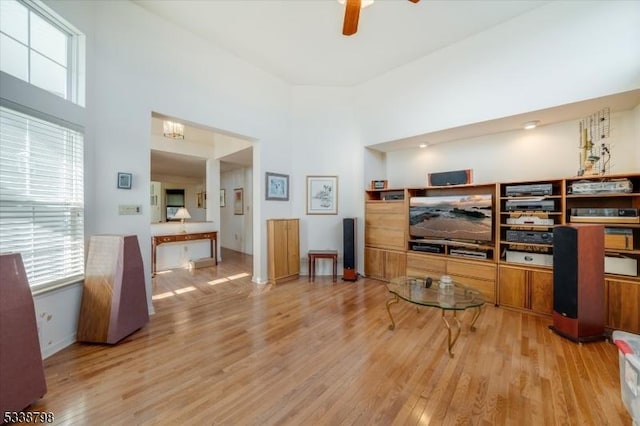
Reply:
x=156 y=240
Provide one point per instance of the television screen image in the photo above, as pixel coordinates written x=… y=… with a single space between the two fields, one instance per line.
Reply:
x=458 y=217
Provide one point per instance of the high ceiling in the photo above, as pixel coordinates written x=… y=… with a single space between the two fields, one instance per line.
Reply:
x=301 y=41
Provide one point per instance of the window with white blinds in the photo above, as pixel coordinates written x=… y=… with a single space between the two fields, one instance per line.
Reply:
x=41 y=197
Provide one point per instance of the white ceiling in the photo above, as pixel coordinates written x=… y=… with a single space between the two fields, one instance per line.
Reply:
x=164 y=163
x=301 y=41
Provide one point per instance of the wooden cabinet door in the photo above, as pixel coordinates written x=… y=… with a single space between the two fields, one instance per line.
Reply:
x=512 y=287
x=374 y=263
x=283 y=249
x=541 y=291
x=280 y=243
x=623 y=305
x=293 y=247
x=385 y=225
x=395 y=264
x=423 y=265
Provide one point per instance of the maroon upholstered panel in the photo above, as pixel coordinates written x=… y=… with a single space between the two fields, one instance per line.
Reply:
x=21 y=366
x=114 y=298
x=133 y=312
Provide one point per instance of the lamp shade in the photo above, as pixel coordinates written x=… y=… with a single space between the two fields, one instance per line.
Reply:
x=182 y=213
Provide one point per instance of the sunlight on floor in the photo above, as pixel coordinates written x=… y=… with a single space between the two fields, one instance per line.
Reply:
x=184 y=290
x=192 y=288
x=229 y=278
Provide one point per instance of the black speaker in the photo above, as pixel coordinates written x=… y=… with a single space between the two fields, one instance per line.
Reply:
x=349 y=249
x=456 y=177
x=578 y=282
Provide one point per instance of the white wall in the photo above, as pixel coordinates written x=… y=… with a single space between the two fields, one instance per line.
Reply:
x=236 y=230
x=326 y=141
x=130 y=74
x=560 y=53
x=543 y=153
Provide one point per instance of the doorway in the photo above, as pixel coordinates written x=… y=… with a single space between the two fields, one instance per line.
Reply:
x=189 y=172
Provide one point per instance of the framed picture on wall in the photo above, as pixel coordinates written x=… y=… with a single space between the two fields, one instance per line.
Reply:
x=201 y=200
x=277 y=187
x=322 y=195
x=223 y=198
x=124 y=180
x=238 y=201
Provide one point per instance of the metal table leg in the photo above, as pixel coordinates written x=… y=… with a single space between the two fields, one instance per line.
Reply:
x=390 y=302
x=455 y=338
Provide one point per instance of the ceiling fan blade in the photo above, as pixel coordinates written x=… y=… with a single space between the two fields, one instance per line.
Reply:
x=351 y=16
x=414 y=1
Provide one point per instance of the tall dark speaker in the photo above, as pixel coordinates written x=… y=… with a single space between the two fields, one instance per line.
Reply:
x=578 y=282
x=349 y=249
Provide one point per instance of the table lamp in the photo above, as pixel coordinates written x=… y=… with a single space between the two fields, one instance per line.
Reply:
x=182 y=214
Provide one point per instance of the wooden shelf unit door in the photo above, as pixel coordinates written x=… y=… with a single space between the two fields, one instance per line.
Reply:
x=623 y=305
x=384 y=264
x=385 y=235
x=525 y=288
x=283 y=249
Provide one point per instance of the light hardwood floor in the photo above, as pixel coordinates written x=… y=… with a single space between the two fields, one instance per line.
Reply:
x=221 y=350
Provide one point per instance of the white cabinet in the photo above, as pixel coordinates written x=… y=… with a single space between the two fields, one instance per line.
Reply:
x=156 y=202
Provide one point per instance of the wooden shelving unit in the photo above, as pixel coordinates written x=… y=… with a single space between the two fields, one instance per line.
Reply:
x=512 y=274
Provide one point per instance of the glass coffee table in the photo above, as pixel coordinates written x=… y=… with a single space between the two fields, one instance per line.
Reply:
x=427 y=292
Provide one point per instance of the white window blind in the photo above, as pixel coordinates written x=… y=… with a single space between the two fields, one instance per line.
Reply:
x=41 y=197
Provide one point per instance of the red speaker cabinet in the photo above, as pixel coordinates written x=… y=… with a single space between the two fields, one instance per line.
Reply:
x=578 y=282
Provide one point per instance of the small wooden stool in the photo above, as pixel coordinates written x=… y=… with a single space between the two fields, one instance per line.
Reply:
x=322 y=254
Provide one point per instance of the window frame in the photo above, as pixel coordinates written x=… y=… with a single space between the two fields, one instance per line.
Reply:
x=75 y=56
x=21 y=96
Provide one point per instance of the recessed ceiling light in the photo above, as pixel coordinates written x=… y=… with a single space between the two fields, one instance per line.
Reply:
x=531 y=124
x=423 y=145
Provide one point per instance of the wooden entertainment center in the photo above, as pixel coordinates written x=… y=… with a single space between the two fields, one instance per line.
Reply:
x=514 y=269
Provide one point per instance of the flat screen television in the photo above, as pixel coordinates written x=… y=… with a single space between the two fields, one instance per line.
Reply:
x=466 y=217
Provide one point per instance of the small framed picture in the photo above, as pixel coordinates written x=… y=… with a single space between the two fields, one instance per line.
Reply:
x=378 y=184
x=124 y=180
x=223 y=198
x=277 y=187
x=201 y=200
x=238 y=201
x=322 y=195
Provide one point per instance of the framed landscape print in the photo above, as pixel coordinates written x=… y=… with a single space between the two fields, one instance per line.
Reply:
x=322 y=195
x=277 y=187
